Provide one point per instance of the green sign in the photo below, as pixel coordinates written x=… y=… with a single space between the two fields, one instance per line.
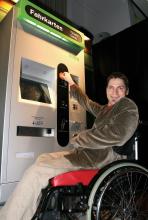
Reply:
x=54 y=27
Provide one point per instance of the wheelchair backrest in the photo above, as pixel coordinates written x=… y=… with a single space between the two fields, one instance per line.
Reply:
x=130 y=148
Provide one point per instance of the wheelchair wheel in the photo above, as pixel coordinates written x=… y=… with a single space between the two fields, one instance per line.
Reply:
x=120 y=193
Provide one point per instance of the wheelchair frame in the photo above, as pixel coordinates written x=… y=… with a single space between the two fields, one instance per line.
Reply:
x=73 y=201
x=119 y=191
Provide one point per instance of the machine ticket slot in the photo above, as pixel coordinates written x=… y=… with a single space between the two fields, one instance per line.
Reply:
x=34 y=131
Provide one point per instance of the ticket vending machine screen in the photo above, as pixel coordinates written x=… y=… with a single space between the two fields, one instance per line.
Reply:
x=35 y=91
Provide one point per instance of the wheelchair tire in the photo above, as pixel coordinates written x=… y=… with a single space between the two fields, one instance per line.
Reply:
x=120 y=193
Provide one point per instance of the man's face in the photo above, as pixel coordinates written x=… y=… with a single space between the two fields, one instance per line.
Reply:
x=115 y=90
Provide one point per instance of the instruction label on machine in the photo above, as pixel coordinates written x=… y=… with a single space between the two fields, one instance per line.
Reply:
x=38 y=121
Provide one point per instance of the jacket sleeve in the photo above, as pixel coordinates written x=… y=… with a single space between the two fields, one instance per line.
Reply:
x=84 y=101
x=115 y=132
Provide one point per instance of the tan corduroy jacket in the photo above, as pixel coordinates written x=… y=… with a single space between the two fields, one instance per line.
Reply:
x=112 y=127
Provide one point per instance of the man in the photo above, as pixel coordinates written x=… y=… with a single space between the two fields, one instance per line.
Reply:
x=115 y=123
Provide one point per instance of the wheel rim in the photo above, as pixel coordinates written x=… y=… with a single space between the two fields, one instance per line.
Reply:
x=122 y=196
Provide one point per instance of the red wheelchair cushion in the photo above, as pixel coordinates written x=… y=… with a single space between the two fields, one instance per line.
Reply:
x=74 y=177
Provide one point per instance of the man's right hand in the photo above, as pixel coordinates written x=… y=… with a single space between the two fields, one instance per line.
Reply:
x=67 y=77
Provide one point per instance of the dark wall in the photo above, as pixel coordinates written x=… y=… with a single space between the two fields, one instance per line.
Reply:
x=126 y=52
x=90 y=91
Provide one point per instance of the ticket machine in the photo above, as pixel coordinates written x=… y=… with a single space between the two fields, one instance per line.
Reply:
x=37 y=114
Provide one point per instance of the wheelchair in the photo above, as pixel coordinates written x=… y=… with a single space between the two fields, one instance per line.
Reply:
x=119 y=191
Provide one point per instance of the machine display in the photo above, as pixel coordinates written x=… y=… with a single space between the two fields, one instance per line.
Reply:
x=35 y=81
x=34 y=91
x=31 y=122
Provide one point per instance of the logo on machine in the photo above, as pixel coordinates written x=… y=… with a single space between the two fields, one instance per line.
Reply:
x=50 y=22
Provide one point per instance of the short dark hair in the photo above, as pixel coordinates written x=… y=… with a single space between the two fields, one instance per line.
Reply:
x=120 y=76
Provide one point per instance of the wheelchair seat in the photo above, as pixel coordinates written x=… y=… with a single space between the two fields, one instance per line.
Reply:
x=74 y=177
